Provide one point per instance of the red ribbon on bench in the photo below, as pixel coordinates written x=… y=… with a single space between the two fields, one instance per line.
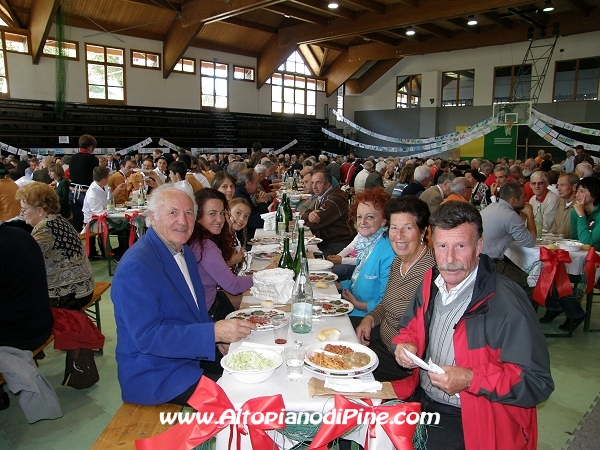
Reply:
x=592 y=260
x=400 y=434
x=102 y=233
x=131 y=217
x=553 y=271
x=209 y=398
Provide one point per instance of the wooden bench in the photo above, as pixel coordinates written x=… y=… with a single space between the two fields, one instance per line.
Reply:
x=133 y=422
x=92 y=309
x=35 y=352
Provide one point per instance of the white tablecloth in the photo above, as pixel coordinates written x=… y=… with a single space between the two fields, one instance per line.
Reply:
x=525 y=258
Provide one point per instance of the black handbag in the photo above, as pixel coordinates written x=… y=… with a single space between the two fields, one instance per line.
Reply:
x=80 y=371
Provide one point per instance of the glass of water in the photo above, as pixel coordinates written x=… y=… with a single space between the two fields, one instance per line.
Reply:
x=317 y=309
x=294 y=360
x=281 y=228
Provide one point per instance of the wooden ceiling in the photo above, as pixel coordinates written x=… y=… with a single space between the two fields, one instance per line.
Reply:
x=336 y=43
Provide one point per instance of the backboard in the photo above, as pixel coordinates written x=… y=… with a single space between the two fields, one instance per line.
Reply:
x=517 y=113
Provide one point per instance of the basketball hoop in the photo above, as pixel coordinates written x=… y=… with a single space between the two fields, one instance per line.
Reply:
x=508 y=127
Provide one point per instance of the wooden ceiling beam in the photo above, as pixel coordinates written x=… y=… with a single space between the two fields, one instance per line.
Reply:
x=8 y=11
x=164 y=4
x=333 y=46
x=378 y=37
x=341 y=70
x=494 y=17
x=401 y=32
x=581 y=6
x=462 y=24
x=299 y=14
x=371 y=5
x=83 y=22
x=212 y=45
x=320 y=5
x=397 y=16
x=270 y=58
x=311 y=59
x=176 y=42
x=571 y=23
x=367 y=79
x=208 y=11
x=41 y=19
x=251 y=25
x=434 y=29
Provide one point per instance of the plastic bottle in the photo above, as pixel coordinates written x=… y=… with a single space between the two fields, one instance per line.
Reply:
x=295 y=230
x=302 y=301
x=300 y=251
x=141 y=200
x=110 y=200
x=286 y=261
x=539 y=221
x=280 y=218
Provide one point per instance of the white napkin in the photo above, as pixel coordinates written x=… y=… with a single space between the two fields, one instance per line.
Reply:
x=267 y=248
x=249 y=345
x=352 y=385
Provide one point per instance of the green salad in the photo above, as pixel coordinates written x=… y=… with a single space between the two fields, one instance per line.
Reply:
x=249 y=360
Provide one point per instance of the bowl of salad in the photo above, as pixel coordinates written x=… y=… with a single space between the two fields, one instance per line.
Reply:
x=252 y=365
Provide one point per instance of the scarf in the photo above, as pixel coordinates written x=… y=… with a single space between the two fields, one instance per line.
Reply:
x=364 y=247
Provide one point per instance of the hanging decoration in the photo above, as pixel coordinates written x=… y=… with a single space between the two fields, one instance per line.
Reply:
x=560 y=141
x=61 y=68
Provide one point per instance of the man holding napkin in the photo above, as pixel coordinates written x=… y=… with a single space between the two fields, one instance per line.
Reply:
x=481 y=329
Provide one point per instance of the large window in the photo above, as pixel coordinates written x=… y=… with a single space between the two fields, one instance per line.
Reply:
x=408 y=91
x=576 y=80
x=457 y=88
x=15 y=42
x=185 y=65
x=105 y=74
x=505 y=79
x=69 y=49
x=145 y=59
x=294 y=94
x=214 y=84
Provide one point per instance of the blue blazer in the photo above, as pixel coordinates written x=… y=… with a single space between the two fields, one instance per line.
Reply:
x=161 y=334
x=372 y=280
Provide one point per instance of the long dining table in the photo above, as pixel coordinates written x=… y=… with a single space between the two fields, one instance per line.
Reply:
x=295 y=393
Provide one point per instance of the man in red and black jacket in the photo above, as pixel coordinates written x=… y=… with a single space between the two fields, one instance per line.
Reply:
x=481 y=329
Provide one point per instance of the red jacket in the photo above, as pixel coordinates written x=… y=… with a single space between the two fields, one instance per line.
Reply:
x=499 y=339
x=73 y=329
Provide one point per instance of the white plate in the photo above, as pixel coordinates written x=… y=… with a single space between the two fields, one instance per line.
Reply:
x=570 y=246
x=317 y=346
x=323 y=275
x=259 y=314
x=265 y=256
x=267 y=240
x=332 y=308
x=312 y=241
x=315 y=265
x=322 y=374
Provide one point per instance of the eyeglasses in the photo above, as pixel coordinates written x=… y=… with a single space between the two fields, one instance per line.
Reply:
x=24 y=210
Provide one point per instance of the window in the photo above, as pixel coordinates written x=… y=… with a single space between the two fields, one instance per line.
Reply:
x=105 y=74
x=293 y=94
x=505 y=79
x=185 y=66
x=3 y=72
x=213 y=84
x=457 y=88
x=340 y=100
x=408 y=91
x=69 y=49
x=145 y=59
x=576 y=80
x=243 y=73
x=16 y=43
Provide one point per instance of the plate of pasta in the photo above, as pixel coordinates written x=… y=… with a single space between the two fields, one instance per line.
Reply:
x=340 y=358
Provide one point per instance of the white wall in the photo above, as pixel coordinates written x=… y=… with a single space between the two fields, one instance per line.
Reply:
x=382 y=94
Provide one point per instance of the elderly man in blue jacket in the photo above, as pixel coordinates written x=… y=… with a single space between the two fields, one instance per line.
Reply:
x=165 y=339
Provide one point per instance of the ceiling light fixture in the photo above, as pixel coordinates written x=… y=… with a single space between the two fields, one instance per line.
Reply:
x=471 y=20
x=332 y=5
x=548 y=6
x=410 y=31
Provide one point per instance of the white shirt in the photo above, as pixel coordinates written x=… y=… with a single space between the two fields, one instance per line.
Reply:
x=161 y=175
x=180 y=260
x=94 y=201
x=360 y=180
x=462 y=287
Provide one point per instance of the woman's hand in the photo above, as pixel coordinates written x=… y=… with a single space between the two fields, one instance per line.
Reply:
x=363 y=331
x=336 y=259
x=579 y=208
x=236 y=258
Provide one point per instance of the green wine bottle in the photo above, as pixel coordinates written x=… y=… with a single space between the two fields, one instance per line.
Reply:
x=300 y=251
x=286 y=261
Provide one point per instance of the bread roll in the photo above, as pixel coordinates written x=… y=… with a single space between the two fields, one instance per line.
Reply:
x=329 y=334
x=268 y=304
x=321 y=285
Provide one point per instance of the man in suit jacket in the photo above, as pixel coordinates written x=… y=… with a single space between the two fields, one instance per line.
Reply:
x=165 y=339
x=434 y=195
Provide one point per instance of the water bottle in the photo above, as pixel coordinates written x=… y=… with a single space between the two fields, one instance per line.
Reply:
x=300 y=251
x=110 y=201
x=295 y=230
x=287 y=211
x=141 y=200
x=286 y=261
x=302 y=301
x=539 y=221
x=280 y=219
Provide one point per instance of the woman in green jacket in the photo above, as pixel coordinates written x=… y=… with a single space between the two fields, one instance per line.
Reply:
x=61 y=187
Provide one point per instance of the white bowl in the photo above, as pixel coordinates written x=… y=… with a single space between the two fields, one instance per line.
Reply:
x=570 y=246
x=253 y=376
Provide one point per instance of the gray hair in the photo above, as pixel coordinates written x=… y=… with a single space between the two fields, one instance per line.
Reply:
x=485 y=166
x=458 y=185
x=453 y=214
x=368 y=165
x=155 y=200
x=234 y=168
x=502 y=169
x=540 y=174
x=259 y=168
x=510 y=190
x=422 y=172
x=585 y=168
x=245 y=175
x=268 y=164
x=446 y=176
x=323 y=158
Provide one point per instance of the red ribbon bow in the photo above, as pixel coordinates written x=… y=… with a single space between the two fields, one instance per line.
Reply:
x=210 y=401
x=553 y=271
x=400 y=434
x=592 y=260
x=132 y=228
x=102 y=233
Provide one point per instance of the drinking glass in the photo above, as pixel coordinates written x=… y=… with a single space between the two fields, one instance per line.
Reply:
x=317 y=309
x=294 y=360
x=281 y=228
x=281 y=326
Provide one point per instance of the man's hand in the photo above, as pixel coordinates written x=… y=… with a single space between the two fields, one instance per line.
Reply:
x=314 y=217
x=261 y=197
x=363 y=331
x=494 y=188
x=232 y=330
x=455 y=379
x=336 y=259
x=223 y=348
x=401 y=357
x=120 y=187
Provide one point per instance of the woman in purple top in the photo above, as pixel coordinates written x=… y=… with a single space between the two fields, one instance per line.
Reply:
x=212 y=244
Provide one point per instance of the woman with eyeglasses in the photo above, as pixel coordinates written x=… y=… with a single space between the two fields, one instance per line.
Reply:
x=68 y=271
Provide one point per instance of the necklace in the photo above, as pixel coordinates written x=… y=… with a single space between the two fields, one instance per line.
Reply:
x=412 y=263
